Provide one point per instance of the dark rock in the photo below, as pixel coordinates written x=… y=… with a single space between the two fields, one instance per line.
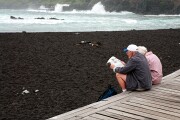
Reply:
x=53 y=19
x=12 y=17
x=40 y=18
x=20 y=18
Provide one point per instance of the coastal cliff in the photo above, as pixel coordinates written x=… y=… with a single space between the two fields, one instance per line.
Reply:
x=135 y=6
x=143 y=6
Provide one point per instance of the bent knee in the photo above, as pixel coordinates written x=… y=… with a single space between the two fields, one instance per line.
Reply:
x=122 y=76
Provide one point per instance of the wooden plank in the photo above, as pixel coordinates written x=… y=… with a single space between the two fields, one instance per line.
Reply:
x=158 y=103
x=153 y=108
x=163 y=109
x=177 y=79
x=161 y=97
x=170 y=76
x=127 y=116
x=104 y=106
x=113 y=99
x=139 y=113
x=168 y=90
x=116 y=115
x=73 y=118
x=171 y=86
x=144 y=109
x=102 y=117
x=163 y=93
x=174 y=81
x=156 y=99
x=71 y=114
x=89 y=109
x=166 y=94
x=90 y=118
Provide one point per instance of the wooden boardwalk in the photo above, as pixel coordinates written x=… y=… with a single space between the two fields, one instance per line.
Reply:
x=162 y=103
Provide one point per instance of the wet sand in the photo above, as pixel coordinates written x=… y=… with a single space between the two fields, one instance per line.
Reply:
x=61 y=75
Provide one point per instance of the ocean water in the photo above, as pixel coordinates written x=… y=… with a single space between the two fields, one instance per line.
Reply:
x=96 y=19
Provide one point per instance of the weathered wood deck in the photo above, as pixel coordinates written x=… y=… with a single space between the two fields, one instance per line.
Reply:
x=162 y=102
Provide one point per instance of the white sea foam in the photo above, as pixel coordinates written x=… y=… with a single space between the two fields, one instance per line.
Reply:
x=163 y=15
x=59 y=7
x=129 y=21
x=42 y=7
x=33 y=21
x=126 y=13
x=96 y=9
x=77 y=21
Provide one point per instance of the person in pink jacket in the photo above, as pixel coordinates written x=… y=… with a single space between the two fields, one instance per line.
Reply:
x=154 y=64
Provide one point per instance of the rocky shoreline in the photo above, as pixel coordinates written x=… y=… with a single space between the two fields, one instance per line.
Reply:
x=46 y=74
x=146 y=7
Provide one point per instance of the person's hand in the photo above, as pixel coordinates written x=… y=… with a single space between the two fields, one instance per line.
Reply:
x=112 y=66
x=123 y=62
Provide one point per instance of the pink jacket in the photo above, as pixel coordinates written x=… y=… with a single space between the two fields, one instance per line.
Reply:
x=155 y=67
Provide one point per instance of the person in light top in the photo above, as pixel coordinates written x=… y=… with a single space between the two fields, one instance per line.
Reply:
x=154 y=64
x=135 y=75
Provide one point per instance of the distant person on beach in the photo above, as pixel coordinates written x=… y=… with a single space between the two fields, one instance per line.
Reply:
x=135 y=75
x=154 y=64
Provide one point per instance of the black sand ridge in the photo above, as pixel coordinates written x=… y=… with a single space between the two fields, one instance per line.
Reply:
x=61 y=74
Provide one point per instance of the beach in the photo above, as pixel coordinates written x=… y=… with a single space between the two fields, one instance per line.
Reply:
x=47 y=74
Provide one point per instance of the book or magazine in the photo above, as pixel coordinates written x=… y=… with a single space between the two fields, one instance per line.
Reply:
x=113 y=60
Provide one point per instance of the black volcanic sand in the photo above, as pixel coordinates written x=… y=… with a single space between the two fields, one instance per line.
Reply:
x=68 y=76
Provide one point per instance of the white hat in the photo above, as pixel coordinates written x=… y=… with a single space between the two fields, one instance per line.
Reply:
x=131 y=47
x=142 y=50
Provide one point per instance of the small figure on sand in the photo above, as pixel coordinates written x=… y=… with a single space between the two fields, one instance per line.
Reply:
x=95 y=44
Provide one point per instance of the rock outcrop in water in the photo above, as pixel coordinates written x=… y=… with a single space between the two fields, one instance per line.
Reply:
x=12 y=17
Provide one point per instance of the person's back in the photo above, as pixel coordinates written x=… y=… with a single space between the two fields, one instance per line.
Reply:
x=155 y=67
x=138 y=73
x=135 y=75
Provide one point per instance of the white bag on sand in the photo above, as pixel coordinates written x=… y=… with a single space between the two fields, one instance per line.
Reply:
x=113 y=60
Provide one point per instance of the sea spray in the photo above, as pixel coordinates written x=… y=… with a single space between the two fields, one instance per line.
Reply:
x=98 y=8
x=59 y=7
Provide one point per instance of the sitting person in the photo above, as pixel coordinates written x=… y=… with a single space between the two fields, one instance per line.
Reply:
x=155 y=65
x=135 y=75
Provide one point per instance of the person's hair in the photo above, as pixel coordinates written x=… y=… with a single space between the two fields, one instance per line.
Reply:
x=142 y=50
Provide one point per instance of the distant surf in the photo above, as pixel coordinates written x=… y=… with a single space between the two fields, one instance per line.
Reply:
x=96 y=19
